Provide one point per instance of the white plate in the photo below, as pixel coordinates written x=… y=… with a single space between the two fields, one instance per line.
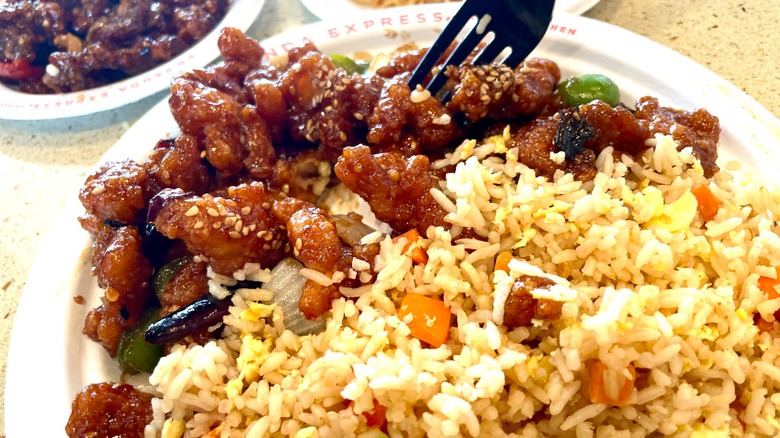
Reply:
x=16 y=105
x=338 y=9
x=50 y=360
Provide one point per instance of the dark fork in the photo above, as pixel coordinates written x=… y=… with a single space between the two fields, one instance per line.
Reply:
x=515 y=24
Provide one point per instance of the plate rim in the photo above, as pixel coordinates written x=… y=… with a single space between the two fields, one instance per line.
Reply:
x=324 y=10
x=18 y=373
x=24 y=106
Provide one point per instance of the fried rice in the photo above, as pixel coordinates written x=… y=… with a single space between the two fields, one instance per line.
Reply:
x=651 y=292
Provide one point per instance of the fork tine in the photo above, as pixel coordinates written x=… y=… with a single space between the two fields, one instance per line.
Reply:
x=514 y=59
x=456 y=24
x=489 y=53
x=520 y=49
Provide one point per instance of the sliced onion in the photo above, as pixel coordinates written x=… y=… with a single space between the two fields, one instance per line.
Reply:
x=349 y=229
x=287 y=284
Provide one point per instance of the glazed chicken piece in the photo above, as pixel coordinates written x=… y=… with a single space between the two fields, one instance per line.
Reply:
x=186 y=285
x=176 y=163
x=315 y=239
x=115 y=192
x=521 y=307
x=225 y=231
x=614 y=127
x=697 y=129
x=410 y=122
x=109 y=410
x=498 y=92
x=124 y=272
x=317 y=94
x=396 y=187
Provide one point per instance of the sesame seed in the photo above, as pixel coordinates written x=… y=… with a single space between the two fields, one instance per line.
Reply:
x=342 y=136
x=216 y=225
x=99 y=190
x=246 y=210
x=239 y=225
x=212 y=212
x=234 y=235
x=269 y=235
x=192 y=211
x=260 y=234
x=198 y=225
x=298 y=244
x=112 y=294
x=358 y=116
x=230 y=221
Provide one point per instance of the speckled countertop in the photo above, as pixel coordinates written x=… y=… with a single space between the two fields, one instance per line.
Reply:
x=43 y=163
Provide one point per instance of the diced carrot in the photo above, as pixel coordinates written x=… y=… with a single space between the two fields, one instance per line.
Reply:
x=412 y=249
x=376 y=418
x=707 y=203
x=597 y=389
x=430 y=318
x=769 y=285
x=502 y=261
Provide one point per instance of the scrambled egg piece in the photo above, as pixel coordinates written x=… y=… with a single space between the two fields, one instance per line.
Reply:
x=255 y=311
x=701 y=430
x=253 y=353
x=173 y=428
x=678 y=215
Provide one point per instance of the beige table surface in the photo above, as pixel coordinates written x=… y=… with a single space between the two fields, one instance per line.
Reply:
x=44 y=163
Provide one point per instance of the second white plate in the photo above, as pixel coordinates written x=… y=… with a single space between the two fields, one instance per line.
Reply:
x=338 y=9
x=16 y=105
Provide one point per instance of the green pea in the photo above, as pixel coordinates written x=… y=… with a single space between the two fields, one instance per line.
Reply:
x=166 y=274
x=349 y=64
x=587 y=88
x=134 y=353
